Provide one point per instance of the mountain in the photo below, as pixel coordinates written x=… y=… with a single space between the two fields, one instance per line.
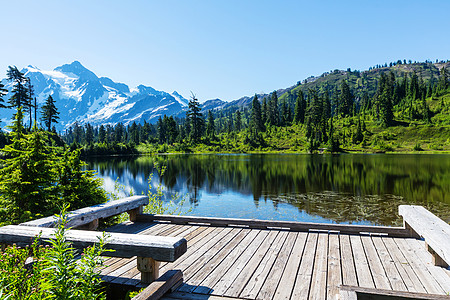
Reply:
x=83 y=97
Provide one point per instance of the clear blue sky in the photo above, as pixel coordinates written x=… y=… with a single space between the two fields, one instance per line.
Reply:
x=220 y=49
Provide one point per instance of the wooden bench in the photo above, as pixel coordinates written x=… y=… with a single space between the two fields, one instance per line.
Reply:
x=435 y=231
x=90 y=215
x=150 y=250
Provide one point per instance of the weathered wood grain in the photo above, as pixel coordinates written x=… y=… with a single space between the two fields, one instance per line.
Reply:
x=435 y=231
x=258 y=278
x=392 y=273
x=318 y=287
x=287 y=281
x=376 y=268
x=334 y=279
x=238 y=265
x=243 y=277
x=305 y=271
x=407 y=274
x=369 y=293
x=348 y=264
x=162 y=285
x=419 y=268
x=262 y=224
x=88 y=214
x=124 y=245
x=361 y=264
x=273 y=279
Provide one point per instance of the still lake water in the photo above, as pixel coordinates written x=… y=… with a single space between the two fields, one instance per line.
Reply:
x=346 y=188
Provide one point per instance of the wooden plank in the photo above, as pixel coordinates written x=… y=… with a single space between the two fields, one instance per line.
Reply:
x=229 y=258
x=318 y=287
x=430 y=284
x=194 y=253
x=123 y=244
x=407 y=274
x=376 y=268
x=392 y=273
x=203 y=237
x=361 y=264
x=348 y=264
x=334 y=279
x=437 y=272
x=294 y=226
x=367 y=293
x=258 y=278
x=204 y=268
x=88 y=214
x=304 y=275
x=273 y=279
x=131 y=227
x=159 y=287
x=229 y=276
x=287 y=282
x=435 y=231
x=243 y=277
x=189 y=296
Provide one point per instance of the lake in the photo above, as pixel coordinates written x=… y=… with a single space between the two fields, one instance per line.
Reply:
x=345 y=188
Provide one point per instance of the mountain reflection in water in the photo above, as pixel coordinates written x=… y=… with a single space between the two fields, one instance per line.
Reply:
x=350 y=188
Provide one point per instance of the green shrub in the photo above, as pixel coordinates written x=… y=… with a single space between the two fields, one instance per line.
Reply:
x=55 y=273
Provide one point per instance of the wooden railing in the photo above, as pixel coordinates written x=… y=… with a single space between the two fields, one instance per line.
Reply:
x=420 y=222
x=89 y=216
x=149 y=250
x=271 y=224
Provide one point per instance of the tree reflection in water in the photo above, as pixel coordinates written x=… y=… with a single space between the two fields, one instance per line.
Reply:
x=341 y=188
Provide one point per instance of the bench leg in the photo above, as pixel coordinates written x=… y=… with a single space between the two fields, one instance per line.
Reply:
x=435 y=258
x=411 y=231
x=149 y=269
x=135 y=212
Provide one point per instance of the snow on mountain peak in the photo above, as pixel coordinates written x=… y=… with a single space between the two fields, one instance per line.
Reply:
x=83 y=97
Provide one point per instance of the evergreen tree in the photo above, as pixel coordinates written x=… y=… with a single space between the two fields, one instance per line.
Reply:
x=384 y=104
x=264 y=111
x=49 y=113
x=101 y=134
x=171 y=129
x=20 y=96
x=161 y=129
x=3 y=92
x=443 y=80
x=89 y=134
x=256 y=119
x=210 y=126
x=238 y=120
x=345 y=100
x=195 y=119
x=273 y=117
x=29 y=107
x=300 y=108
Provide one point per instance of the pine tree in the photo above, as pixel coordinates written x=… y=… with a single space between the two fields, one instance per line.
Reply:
x=195 y=119
x=256 y=120
x=101 y=134
x=345 y=100
x=238 y=121
x=3 y=92
x=273 y=117
x=30 y=105
x=300 y=108
x=210 y=126
x=20 y=96
x=161 y=130
x=49 y=113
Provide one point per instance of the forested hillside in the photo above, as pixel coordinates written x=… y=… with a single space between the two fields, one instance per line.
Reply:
x=401 y=106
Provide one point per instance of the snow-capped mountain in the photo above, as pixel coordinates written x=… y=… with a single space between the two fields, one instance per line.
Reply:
x=82 y=96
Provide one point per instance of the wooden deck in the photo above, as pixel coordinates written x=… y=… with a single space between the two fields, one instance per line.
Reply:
x=242 y=263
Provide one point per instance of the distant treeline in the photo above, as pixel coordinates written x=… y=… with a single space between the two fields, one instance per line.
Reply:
x=328 y=115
